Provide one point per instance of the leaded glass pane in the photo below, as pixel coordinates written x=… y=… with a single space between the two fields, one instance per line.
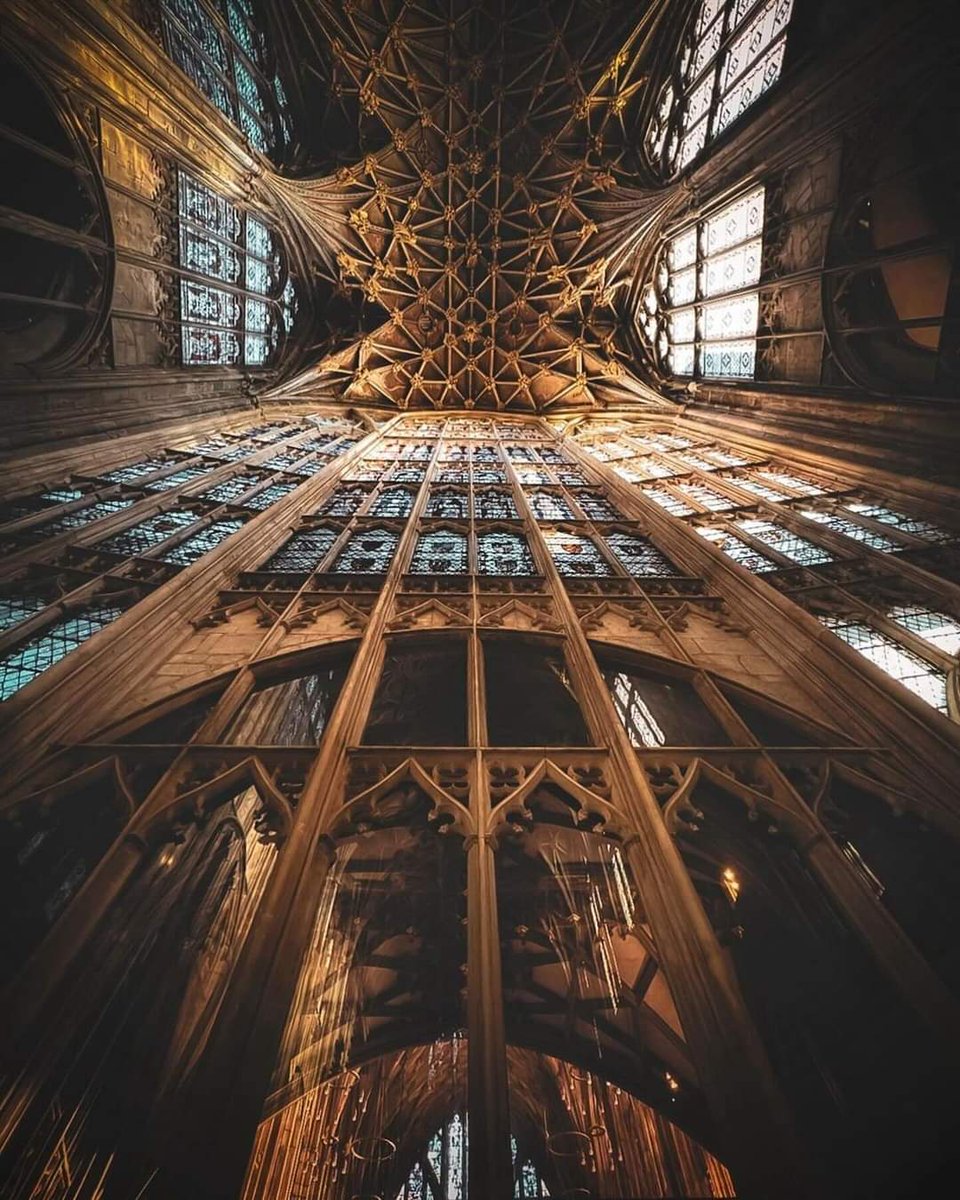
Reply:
x=804 y=487
x=786 y=542
x=304 y=552
x=494 y=506
x=344 y=502
x=639 y=556
x=576 y=555
x=549 y=507
x=850 y=529
x=368 y=553
x=728 y=360
x=502 y=553
x=451 y=505
x=915 y=673
x=25 y=506
x=906 y=524
x=270 y=495
x=440 y=552
x=482 y=475
x=16 y=609
x=185 y=475
x=737 y=549
x=136 y=471
x=21 y=666
x=198 y=544
x=707 y=497
x=936 y=628
x=231 y=489
x=140 y=538
x=75 y=519
x=634 y=712
x=673 y=504
x=394 y=502
x=596 y=507
x=214 y=214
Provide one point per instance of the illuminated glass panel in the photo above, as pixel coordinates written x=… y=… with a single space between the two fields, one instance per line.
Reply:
x=235 y=317
x=597 y=507
x=705 y=496
x=691 y=320
x=282 y=462
x=634 y=712
x=852 y=530
x=459 y=475
x=901 y=521
x=76 y=519
x=200 y=543
x=304 y=552
x=186 y=475
x=521 y=454
x=576 y=555
x=804 y=487
x=740 y=551
x=532 y=475
x=21 y=666
x=936 y=628
x=16 y=609
x=368 y=553
x=270 y=495
x=786 y=542
x=760 y=489
x=418 y=474
x=440 y=552
x=639 y=556
x=136 y=471
x=494 y=506
x=731 y=53
x=394 y=502
x=915 y=673
x=549 y=507
x=25 y=506
x=231 y=489
x=227 y=62
x=503 y=553
x=483 y=475
x=344 y=502
x=140 y=538
x=451 y=505
x=673 y=504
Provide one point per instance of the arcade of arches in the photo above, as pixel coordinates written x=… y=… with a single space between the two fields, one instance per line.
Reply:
x=480 y=602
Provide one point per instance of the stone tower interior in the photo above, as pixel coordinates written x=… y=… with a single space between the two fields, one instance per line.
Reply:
x=480 y=599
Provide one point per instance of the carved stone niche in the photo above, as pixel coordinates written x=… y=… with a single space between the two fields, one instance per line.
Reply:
x=431 y=612
x=529 y=614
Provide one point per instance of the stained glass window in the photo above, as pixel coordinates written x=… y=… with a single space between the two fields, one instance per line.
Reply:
x=303 y=552
x=344 y=502
x=597 y=507
x=494 y=506
x=19 y=608
x=547 y=506
x=140 y=538
x=440 y=552
x=639 y=556
x=705 y=496
x=197 y=545
x=22 y=665
x=26 y=506
x=451 y=505
x=417 y=475
x=503 y=553
x=232 y=313
x=689 y=327
x=394 y=502
x=906 y=524
x=488 y=475
x=532 y=475
x=634 y=712
x=227 y=61
x=75 y=519
x=576 y=555
x=732 y=52
x=367 y=553
x=186 y=475
x=796 y=483
x=231 y=489
x=673 y=504
x=851 y=529
x=270 y=495
x=937 y=628
x=786 y=542
x=136 y=471
x=915 y=673
x=440 y=1171
x=736 y=548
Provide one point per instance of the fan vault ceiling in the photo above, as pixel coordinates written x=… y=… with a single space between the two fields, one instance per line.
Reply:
x=491 y=215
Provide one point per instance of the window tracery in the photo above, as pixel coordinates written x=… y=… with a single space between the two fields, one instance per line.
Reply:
x=230 y=294
x=731 y=54
x=701 y=312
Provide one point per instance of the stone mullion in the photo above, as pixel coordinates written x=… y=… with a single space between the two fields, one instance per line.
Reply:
x=41 y=980
x=240 y=1059
x=755 y=1126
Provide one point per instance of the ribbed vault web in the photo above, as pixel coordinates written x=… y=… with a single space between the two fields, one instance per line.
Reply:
x=489 y=218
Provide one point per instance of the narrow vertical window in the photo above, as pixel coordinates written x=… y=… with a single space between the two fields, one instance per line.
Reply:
x=232 y=305
x=700 y=313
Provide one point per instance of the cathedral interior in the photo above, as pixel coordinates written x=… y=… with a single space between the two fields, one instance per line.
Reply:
x=480 y=603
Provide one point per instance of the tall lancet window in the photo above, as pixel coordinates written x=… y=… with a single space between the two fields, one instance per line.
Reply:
x=235 y=299
x=731 y=53
x=220 y=45
x=700 y=313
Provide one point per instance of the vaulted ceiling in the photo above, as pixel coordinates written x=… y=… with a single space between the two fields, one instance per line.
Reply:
x=487 y=212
